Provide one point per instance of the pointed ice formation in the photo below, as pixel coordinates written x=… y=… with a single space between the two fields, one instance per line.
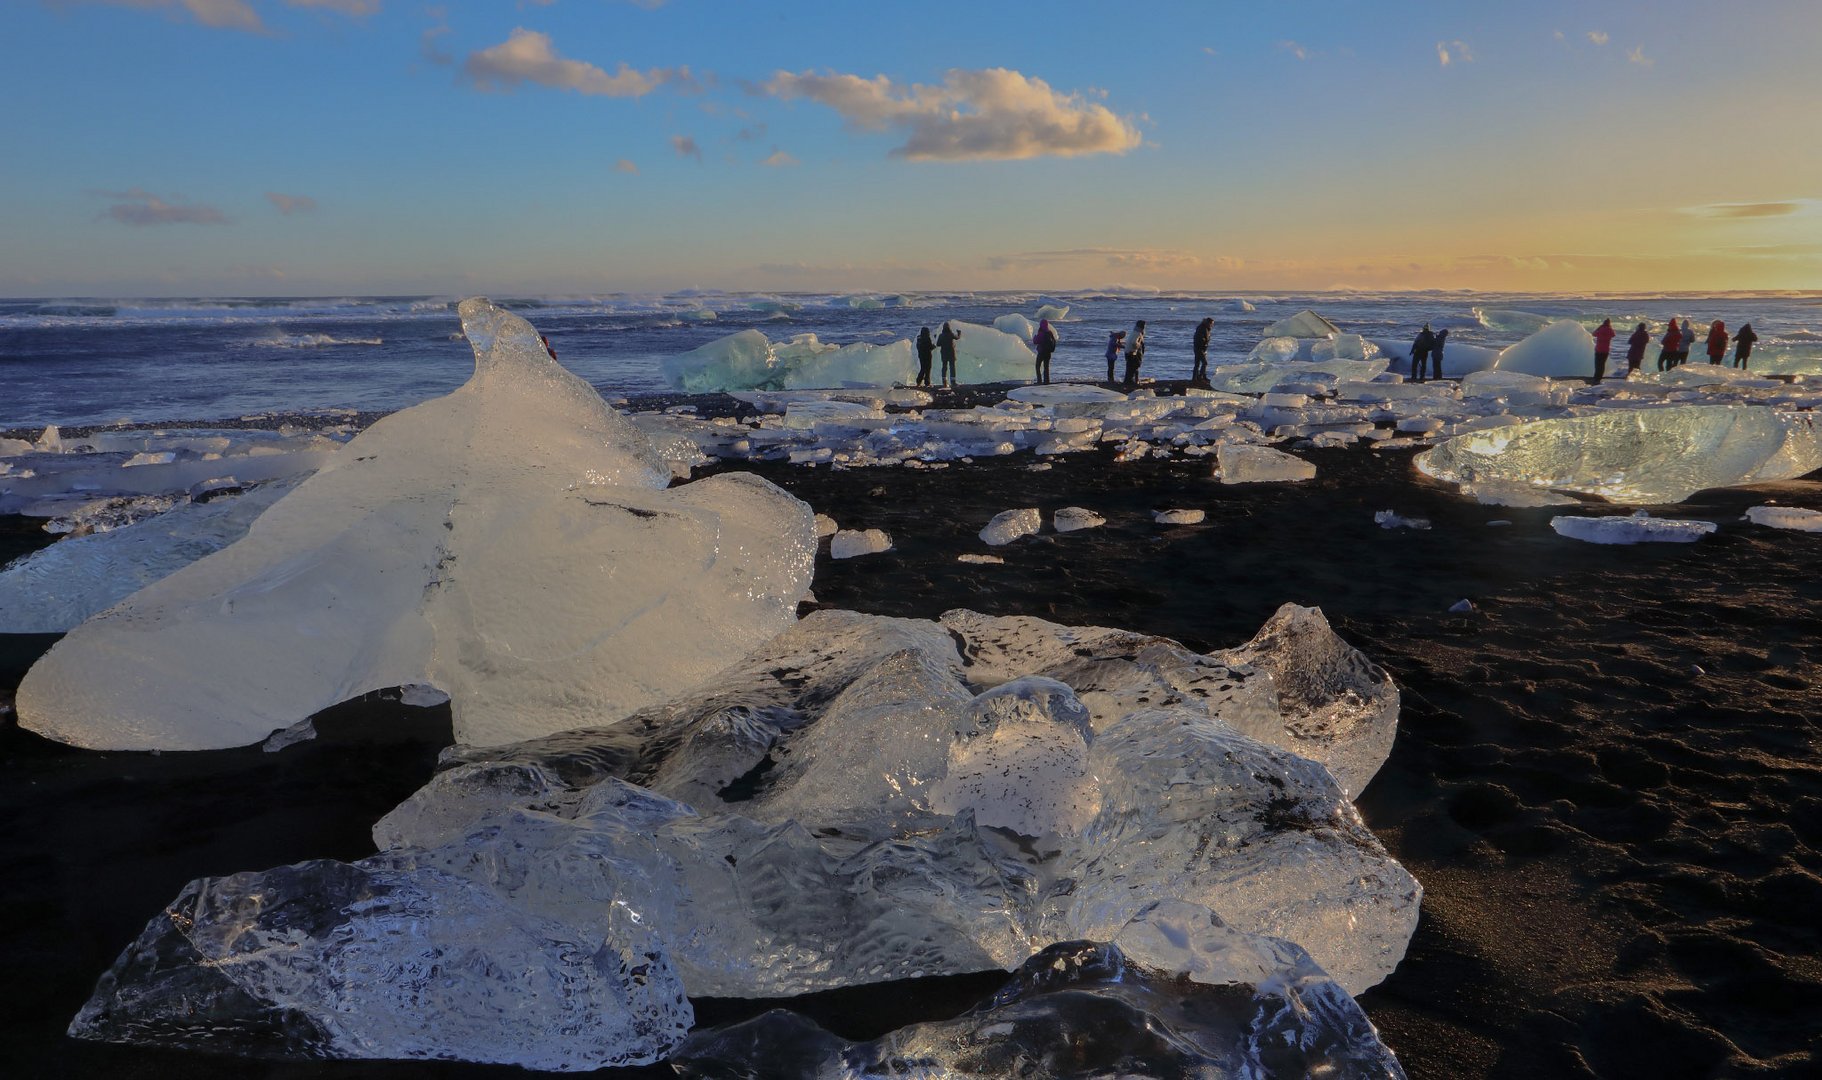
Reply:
x=1304 y=324
x=510 y=543
x=860 y=800
x=1650 y=456
x=1561 y=349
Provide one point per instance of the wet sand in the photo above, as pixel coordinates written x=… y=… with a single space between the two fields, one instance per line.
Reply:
x=1622 y=857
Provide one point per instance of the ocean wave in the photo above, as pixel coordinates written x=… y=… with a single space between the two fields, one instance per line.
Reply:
x=310 y=341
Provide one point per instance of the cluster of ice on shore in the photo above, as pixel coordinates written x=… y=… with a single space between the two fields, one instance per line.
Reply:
x=861 y=799
x=748 y=361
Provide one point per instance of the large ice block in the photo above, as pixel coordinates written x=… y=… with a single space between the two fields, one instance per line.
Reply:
x=1304 y=324
x=1658 y=455
x=510 y=543
x=1559 y=350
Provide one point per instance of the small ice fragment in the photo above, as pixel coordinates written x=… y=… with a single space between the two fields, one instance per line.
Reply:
x=825 y=526
x=1785 y=517
x=851 y=542
x=1389 y=519
x=1240 y=464
x=1637 y=529
x=302 y=731
x=1178 y=517
x=1696 y=669
x=1498 y=523
x=1461 y=606
x=1012 y=524
x=421 y=696
x=980 y=560
x=1074 y=518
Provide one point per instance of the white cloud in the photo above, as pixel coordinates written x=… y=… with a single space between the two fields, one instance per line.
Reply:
x=626 y=166
x=138 y=207
x=355 y=9
x=1448 y=52
x=1636 y=55
x=240 y=15
x=991 y=114
x=686 y=147
x=291 y=204
x=1599 y=37
x=778 y=159
x=1299 y=51
x=526 y=56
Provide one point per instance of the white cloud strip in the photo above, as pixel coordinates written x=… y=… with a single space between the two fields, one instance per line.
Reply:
x=991 y=114
x=526 y=56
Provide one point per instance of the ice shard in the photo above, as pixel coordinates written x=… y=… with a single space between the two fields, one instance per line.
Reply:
x=510 y=543
x=861 y=799
x=1175 y=994
x=1304 y=324
x=1648 y=456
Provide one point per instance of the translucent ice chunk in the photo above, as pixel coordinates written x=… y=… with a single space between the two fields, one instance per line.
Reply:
x=1637 y=529
x=1304 y=324
x=509 y=543
x=849 y=543
x=1240 y=464
x=1076 y=518
x=1561 y=349
x=1179 y=517
x=1017 y=325
x=1656 y=455
x=1786 y=517
x=985 y=354
x=1009 y=525
x=1023 y=764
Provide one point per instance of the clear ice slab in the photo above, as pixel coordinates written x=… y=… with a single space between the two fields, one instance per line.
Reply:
x=511 y=543
x=1649 y=456
x=862 y=799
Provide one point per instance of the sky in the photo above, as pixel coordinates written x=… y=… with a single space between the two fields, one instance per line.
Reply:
x=557 y=147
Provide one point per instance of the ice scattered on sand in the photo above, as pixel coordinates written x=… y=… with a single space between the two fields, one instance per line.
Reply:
x=1640 y=528
x=1010 y=525
x=851 y=543
x=1388 y=519
x=511 y=543
x=1179 y=517
x=980 y=560
x=1075 y=518
x=1239 y=464
x=1786 y=517
x=860 y=799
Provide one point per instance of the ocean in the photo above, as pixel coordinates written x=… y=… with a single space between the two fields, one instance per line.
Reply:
x=87 y=361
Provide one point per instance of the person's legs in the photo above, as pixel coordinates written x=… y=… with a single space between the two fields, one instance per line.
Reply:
x=1600 y=366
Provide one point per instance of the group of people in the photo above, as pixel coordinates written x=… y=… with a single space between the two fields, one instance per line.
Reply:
x=1674 y=347
x=928 y=348
x=1426 y=353
x=1044 y=340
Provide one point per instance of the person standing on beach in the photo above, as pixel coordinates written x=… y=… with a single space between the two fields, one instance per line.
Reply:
x=1442 y=340
x=1420 y=351
x=1682 y=356
x=1635 y=348
x=926 y=351
x=1742 y=346
x=1204 y=330
x=1667 y=348
x=1046 y=342
x=945 y=342
x=1135 y=354
x=1717 y=341
x=1116 y=341
x=1603 y=344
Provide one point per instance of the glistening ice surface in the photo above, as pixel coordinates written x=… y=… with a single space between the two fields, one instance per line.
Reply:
x=1637 y=455
x=861 y=799
x=510 y=543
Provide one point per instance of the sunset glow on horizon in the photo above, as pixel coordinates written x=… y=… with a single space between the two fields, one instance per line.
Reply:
x=320 y=147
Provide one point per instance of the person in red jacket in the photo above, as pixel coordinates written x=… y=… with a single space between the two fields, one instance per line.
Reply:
x=1717 y=341
x=1635 y=348
x=1603 y=344
x=1673 y=340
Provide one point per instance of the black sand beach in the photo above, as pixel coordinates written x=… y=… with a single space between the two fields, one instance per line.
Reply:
x=1622 y=854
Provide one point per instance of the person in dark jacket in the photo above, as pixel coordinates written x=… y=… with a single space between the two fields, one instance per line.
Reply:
x=1682 y=354
x=1668 y=345
x=1420 y=352
x=1717 y=341
x=1603 y=345
x=1442 y=341
x=926 y=351
x=945 y=342
x=1204 y=330
x=1635 y=348
x=1135 y=354
x=1116 y=342
x=1045 y=340
x=1742 y=346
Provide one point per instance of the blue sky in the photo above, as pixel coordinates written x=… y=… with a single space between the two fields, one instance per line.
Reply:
x=360 y=146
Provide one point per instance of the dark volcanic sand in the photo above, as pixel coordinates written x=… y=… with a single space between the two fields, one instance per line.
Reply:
x=1621 y=855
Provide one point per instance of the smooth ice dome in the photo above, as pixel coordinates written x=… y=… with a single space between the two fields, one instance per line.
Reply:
x=1010 y=525
x=1240 y=464
x=1561 y=349
x=511 y=543
x=849 y=543
x=1637 y=529
x=860 y=799
x=1661 y=455
x=1179 y=517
